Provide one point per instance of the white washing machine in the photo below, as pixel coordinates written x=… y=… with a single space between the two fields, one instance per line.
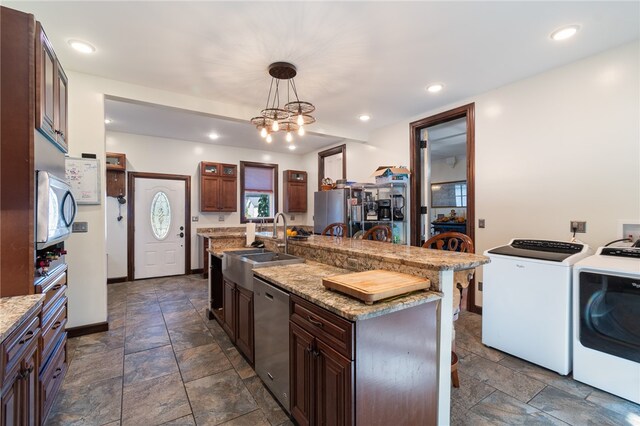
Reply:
x=606 y=305
x=526 y=303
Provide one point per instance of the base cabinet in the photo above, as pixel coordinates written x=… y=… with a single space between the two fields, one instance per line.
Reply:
x=321 y=379
x=237 y=317
x=19 y=398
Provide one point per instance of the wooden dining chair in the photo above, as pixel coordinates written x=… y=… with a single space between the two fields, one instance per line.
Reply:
x=454 y=241
x=451 y=241
x=337 y=229
x=378 y=233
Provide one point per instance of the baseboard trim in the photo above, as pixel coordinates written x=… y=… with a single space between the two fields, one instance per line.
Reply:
x=87 y=329
x=197 y=271
x=117 y=280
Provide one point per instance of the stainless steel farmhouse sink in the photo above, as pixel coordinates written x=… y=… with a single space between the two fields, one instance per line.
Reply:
x=263 y=260
x=238 y=265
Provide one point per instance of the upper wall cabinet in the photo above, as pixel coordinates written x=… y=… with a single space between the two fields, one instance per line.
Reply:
x=51 y=92
x=218 y=187
x=295 y=191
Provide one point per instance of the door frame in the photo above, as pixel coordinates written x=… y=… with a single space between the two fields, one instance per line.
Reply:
x=416 y=178
x=340 y=149
x=131 y=217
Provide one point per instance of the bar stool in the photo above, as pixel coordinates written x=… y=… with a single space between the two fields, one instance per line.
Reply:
x=337 y=229
x=454 y=241
x=378 y=233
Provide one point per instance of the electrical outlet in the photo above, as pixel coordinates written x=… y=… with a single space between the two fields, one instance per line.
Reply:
x=479 y=285
x=631 y=231
x=221 y=218
x=195 y=218
x=579 y=227
x=292 y=217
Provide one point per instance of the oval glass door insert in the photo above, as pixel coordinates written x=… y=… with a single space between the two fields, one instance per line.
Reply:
x=160 y=215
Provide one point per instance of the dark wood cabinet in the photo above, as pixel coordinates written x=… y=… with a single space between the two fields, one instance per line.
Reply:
x=301 y=371
x=295 y=191
x=51 y=92
x=321 y=378
x=229 y=309
x=20 y=404
x=237 y=317
x=244 y=329
x=333 y=386
x=218 y=187
x=116 y=173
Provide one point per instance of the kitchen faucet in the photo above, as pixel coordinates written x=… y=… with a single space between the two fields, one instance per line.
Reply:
x=275 y=230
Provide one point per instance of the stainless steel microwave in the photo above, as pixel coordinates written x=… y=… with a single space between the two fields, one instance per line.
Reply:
x=56 y=209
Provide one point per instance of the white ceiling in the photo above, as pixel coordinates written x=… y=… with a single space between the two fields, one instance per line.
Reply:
x=173 y=123
x=352 y=57
x=448 y=139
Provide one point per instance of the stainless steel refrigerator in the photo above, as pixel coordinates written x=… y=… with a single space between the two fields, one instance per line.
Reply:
x=329 y=207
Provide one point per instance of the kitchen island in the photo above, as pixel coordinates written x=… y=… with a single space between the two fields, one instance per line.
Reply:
x=400 y=349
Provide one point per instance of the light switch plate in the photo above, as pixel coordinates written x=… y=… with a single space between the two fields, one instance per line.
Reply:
x=480 y=223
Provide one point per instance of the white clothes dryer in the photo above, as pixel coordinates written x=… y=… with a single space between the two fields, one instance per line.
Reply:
x=606 y=306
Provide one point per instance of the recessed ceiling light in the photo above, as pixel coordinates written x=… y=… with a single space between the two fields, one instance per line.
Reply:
x=565 y=32
x=108 y=121
x=82 y=46
x=292 y=147
x=365 y=117
x=213 y=136
x=435 y=88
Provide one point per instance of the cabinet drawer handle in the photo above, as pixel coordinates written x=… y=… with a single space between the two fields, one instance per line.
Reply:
x=56 y=287
x=26 y=339
x=56 y=325
x=58 y=370
x=315 y=322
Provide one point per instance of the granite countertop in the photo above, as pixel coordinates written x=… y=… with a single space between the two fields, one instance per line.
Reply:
x=14 y=310
x=221 y=235
x=305 y=280
x=396 y=253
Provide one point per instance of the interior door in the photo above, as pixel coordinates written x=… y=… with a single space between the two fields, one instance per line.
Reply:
x=159 y=228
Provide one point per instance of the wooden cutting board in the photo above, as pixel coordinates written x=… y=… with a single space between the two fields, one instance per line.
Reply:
x=371 y=286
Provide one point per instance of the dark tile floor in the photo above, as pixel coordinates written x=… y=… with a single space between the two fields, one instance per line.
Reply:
x=163 y=362
x=498 y=389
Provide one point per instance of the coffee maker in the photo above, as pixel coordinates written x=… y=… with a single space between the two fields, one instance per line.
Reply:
x=384 y=209
x=398 y=205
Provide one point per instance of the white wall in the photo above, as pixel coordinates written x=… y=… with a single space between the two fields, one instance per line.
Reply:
x=441 y=171
x=161 y=155
x=558 y=146
x=562 y=145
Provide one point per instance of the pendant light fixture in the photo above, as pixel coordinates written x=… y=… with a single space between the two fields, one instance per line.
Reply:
x=292 y=116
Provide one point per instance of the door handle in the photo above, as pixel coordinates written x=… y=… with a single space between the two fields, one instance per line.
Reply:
x=181 y=235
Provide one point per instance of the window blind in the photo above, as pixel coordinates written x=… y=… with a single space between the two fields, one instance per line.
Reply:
x=259 y=179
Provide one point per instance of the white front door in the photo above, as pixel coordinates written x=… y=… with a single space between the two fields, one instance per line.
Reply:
x=159 y=243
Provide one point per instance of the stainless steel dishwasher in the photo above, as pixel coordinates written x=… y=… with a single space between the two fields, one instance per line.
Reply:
x=271 y=329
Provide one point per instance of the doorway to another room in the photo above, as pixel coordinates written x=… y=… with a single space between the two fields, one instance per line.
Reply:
x=442 y=190
x=159 y=232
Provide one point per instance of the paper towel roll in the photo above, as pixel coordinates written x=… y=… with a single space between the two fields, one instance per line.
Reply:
x=251 y=233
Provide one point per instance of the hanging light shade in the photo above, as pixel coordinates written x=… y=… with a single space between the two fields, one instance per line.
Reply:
x=288 y=118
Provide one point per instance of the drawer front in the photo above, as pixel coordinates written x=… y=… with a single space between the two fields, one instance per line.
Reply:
x=19 y=341
x=52 y=377
x=52 y=330
x=324 y=325
x=53 y=291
